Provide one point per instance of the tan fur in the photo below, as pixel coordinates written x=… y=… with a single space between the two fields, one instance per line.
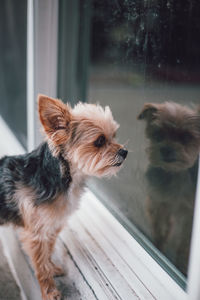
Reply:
x=41 y=226
x=72 y=133
x=54 y=114
x=88 y=121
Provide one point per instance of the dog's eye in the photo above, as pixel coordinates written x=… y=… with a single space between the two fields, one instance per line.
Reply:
x=158 y=135
x=100 y=142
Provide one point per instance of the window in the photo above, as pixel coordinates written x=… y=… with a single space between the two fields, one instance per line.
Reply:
x=125 y=54
x=141 y=52
x=146 y=52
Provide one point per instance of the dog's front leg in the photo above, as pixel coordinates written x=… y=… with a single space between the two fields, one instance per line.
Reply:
x=39 y=250
x=56 y=270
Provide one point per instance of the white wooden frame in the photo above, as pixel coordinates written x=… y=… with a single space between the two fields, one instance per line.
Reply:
x=42 y=39
x=194 y=263
x=147 y=274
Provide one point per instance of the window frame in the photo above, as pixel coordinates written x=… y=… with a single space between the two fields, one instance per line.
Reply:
x=148 y=270
x=42 y=52
x=193 y=286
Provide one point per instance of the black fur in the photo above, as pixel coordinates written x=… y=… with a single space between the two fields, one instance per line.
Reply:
x=38 y=170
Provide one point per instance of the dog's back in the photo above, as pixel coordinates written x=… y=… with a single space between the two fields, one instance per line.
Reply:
x=37 y=170
x=9 y=175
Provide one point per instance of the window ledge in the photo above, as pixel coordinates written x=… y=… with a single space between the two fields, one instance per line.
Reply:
x=101 y=260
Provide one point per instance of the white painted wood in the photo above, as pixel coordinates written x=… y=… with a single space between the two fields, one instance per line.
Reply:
x=119 y=272
x=153 y=277
x=45 y=43
x=42 y=44
x=30 y=77
x=9 y=143
x=73 y=285
x=109 y=274
x=194 y=263
x=21 y=271
x=93 y=275
x=98 y=270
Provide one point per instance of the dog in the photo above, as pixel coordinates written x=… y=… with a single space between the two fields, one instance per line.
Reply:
x=173 y=131
x=41 y=189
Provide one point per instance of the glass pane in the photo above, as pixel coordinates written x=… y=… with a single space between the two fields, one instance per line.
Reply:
x=148 y=52
x=133 y=53
x=13 y=65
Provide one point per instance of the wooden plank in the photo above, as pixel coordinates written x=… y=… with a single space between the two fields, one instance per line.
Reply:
x=93 y=275
x=153 y=278
x=117 y=255
x=121 y=272
x=19 y=267
x=8 y=287
x=73 y=286
x=107 y=274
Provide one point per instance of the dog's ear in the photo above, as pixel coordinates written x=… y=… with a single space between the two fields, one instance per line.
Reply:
x=148 y=112
x=55 y=117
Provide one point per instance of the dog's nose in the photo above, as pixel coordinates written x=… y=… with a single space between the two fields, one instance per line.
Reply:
x=123 y=153
x=168 y=154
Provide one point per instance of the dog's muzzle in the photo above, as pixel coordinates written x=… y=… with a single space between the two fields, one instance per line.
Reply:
x=121 y=156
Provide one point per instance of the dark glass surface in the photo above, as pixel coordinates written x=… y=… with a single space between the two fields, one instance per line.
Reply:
x=125 y=54
x=13 y=28
x=148 y=52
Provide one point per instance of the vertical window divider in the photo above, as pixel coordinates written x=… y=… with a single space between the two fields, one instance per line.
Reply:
x=193 y=287
x=30 y=77
x=42 y=49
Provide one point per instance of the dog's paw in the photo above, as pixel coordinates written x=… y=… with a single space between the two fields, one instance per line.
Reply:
x=52 y=294
x=57 y=270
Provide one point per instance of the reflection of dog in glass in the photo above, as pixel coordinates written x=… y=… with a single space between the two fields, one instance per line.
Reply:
x=174 y=134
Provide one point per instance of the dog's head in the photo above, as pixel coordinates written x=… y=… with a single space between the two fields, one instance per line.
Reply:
x=84 y=135
x=174 y=134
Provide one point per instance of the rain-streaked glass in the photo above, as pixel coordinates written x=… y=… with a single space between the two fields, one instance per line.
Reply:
x=148 y=52
x=130 y=53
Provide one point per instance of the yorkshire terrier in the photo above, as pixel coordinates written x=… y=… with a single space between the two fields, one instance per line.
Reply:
x=173 y=132
x=39 y=190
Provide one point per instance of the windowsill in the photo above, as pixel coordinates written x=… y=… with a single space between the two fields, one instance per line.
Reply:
x=101 y=259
